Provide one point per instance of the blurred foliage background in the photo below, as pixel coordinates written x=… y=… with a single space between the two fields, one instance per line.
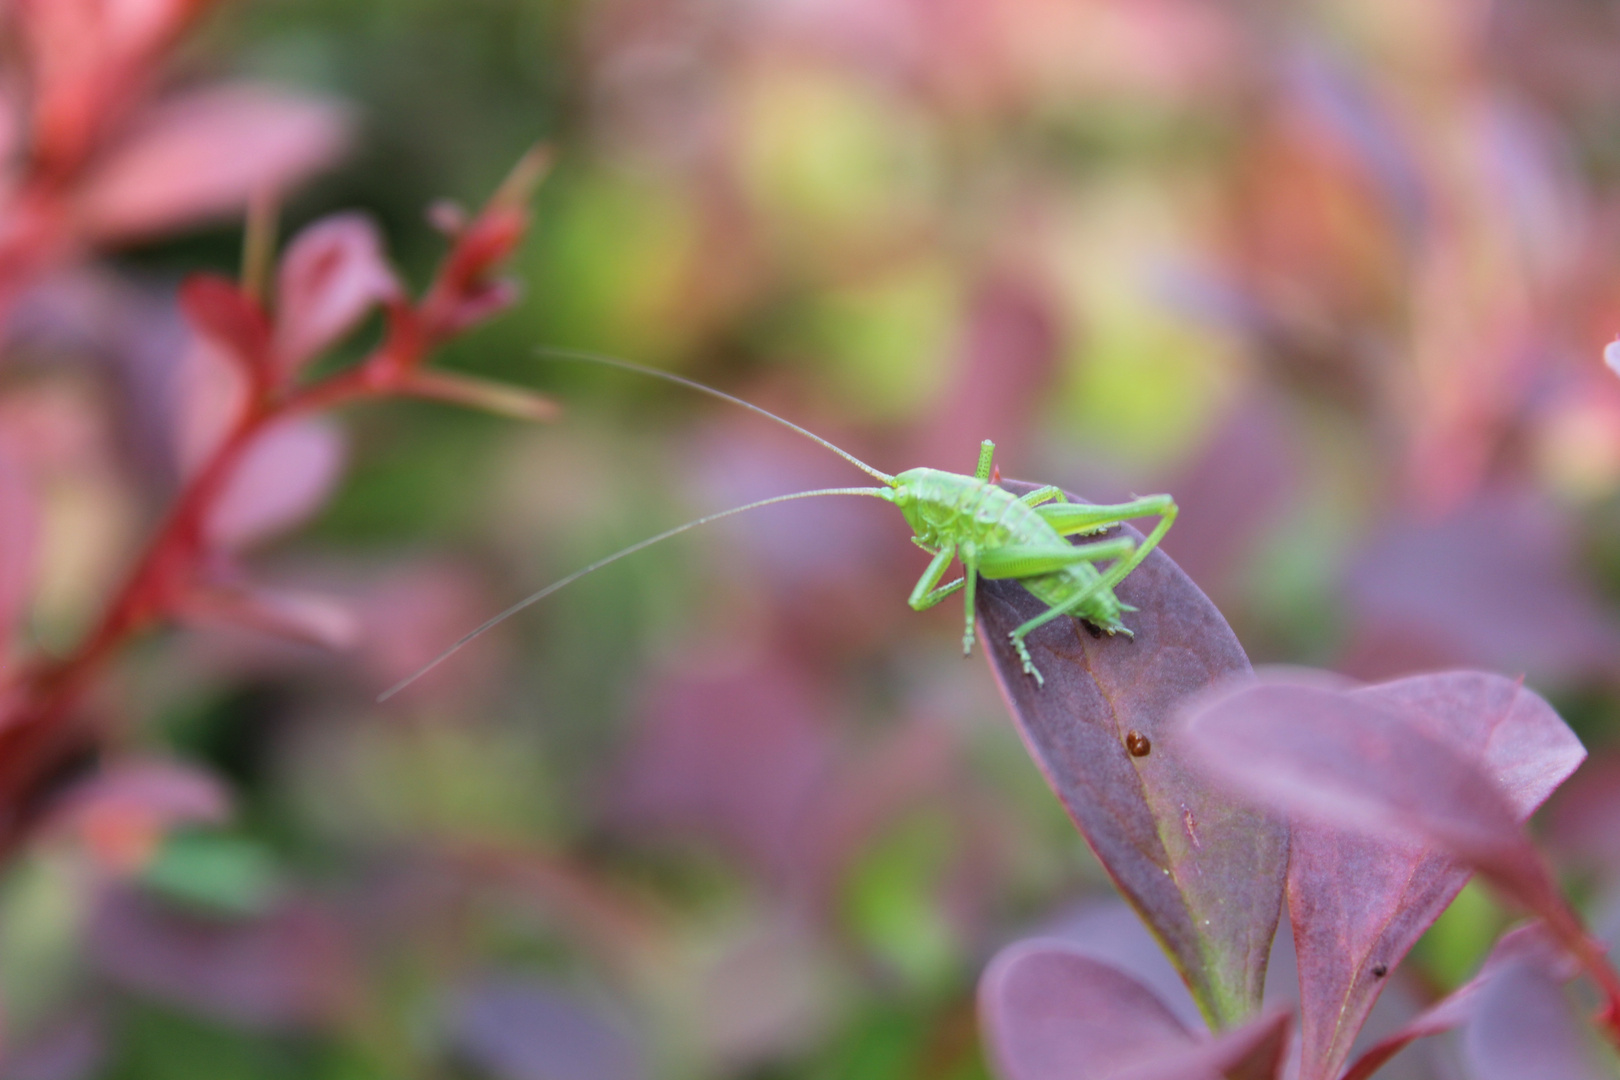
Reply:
x=1336 y=274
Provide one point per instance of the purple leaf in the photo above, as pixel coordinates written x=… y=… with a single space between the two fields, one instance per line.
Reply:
x=1050 y=1012
x=1386 y=784
x=1205 y=872
x=515 y=1028
x=1112 y=932
x=332 y=275
x=1530 y=943
x=1522 y=1027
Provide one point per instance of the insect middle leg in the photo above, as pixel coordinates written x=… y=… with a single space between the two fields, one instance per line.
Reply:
x=929 y=592
x=1027 y=561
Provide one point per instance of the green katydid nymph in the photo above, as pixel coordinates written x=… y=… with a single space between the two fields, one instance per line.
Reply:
x=966 y=518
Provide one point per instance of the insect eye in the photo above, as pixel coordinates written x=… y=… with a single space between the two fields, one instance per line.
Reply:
x=1138 y=744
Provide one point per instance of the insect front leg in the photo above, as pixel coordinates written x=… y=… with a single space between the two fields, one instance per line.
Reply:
x=925 y=595
x=970 y=562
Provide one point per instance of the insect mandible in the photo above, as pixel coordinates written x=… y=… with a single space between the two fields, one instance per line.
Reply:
x=960 y=517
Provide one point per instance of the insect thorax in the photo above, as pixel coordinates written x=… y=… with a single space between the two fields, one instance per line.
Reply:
x=945 y=508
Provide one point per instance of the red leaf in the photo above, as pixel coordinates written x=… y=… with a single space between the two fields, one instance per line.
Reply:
x=283 y=478
x=465 y=290
x=1388 y=785
x=332 y=275
x=230 y=319
x=201 y=156
x=87 y=60
x=1205 y=872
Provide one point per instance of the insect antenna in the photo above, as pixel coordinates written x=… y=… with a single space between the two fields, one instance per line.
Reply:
x=535 y=597
x=692 y=384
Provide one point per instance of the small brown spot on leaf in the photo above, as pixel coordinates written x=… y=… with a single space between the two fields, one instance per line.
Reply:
x=1380 y=970
x=1138 y=744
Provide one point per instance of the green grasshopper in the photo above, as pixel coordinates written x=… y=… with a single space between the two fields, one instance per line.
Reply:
x=993 y=533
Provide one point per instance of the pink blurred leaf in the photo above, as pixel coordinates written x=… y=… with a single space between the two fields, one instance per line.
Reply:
x=123 y=812
x=283 y=478
x=74 y=1047
x=305 y=617
x=281 y=970
x=1492 y=585
x=1530 y=943
x=1050 y=1012
x=234 y=322
x=1388 y=786
x=1522 y=1026
x=515 y=1028
x=332 y=275
x=19 y=542
x=87 y=60
x=1204 y=871
x=735 y=754
x=202 y=155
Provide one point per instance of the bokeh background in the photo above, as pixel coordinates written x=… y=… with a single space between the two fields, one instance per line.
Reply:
x=1338 y=274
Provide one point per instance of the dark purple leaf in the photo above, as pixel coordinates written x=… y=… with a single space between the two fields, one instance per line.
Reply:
x=1386 y=784
x=1530 y=943
x=516 y=1028
x=1205 y=872
x=1253 y=1051
x=1522 y=1027
x=1050 y=1012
